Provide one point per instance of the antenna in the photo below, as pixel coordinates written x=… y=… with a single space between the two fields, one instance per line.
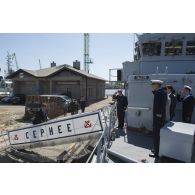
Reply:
x=40 y=64
x=157 y=70
x=87 y=59
x=166 y=70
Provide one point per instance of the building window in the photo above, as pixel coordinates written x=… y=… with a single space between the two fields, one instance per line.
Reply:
x=190 y=48
x=151 y=49
x=173 y=48
x=21 y=75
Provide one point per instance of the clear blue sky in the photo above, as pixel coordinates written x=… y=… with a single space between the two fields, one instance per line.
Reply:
x=106 y=50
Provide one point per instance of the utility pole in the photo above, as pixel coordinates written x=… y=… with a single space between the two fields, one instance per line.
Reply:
x=40 y=64
x=87 y=60
x=16 y=62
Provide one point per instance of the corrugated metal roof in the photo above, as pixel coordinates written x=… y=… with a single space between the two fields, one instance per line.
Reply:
x=53 y=70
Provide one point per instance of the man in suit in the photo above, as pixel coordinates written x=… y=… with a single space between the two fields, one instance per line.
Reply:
x=187 y=100
x=159 y=114
x=121 y=107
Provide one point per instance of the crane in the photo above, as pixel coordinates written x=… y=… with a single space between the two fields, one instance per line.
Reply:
x=87 y=59
x=16 y=62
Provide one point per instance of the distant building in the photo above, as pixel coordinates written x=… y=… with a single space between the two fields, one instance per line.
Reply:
x=63 y=79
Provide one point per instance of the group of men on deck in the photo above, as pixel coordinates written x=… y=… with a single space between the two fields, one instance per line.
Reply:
x=164 y=104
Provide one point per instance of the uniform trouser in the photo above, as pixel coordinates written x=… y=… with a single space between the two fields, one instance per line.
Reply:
x=186 y=119
x=83 y=109
x=157 y=124
x=121 y=117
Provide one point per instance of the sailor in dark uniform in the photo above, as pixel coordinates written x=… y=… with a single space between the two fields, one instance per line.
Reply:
x=187 y=100
x=121 y=107
x=159 y=114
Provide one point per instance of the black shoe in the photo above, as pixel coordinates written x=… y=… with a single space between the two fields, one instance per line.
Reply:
x=153 y=155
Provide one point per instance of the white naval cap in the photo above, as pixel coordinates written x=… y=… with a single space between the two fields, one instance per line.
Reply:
x=187 y=87
x=156 y=81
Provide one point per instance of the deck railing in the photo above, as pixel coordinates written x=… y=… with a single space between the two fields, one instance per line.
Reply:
x=109 y=120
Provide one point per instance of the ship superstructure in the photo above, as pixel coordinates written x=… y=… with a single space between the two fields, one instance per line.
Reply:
x=169 y=57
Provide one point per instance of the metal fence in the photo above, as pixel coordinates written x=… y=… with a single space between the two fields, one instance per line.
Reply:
x=109 y=120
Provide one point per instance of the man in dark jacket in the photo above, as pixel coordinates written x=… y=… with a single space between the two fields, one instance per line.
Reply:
x=187 y=100
x=121 y=107
x=173 y=98
x=82 y=103
x=74 y=107
x=40 y=115
x=159 y=114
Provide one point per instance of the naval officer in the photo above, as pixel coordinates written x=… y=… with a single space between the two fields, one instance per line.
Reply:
x=121 y=107
x=159 y=114
x=187 y=100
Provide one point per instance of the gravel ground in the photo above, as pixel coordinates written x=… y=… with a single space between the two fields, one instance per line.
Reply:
x=10 y=113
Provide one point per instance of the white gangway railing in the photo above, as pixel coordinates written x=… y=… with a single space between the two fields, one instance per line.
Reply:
x=109 y=120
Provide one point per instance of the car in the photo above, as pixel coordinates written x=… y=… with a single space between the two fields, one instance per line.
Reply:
x=6 y=99
x=4 y=94
x=18 y=99
x=15 y=99
x=56 y=105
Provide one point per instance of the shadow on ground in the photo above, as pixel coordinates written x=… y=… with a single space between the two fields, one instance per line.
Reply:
x=140 y=139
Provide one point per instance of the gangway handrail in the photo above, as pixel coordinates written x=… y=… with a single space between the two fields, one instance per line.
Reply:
x=103 y=143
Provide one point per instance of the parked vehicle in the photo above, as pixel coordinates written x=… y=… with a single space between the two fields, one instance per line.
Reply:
x=18 y=99
x=56 y=105
x=6 y=99
x=3 y=94
x=15 y=99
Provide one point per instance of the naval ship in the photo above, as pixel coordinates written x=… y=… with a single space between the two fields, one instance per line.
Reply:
x=165 y=56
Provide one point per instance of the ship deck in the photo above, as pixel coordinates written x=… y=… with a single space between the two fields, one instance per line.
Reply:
x=135 y=145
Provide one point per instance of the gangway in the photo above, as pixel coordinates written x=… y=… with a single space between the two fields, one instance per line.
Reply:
x=92 y=131
x=69 y=131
